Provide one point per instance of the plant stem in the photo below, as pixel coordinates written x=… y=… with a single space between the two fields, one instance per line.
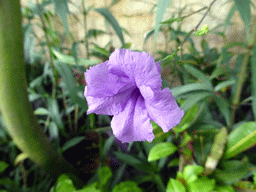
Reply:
x=85 y=31
x=159 y=182
x=17 y=112
x=196 y=27
x=55 y=72
x=240 y=81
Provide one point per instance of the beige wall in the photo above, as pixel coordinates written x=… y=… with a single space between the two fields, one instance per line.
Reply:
x=136 y=17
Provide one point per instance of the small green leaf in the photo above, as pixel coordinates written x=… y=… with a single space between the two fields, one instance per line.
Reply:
x=241 y=139
x=161 y=150
x=71 y=60
x=127 y=186
x=204 y=30
x=171 y=20
x=21 y=157
x=3 y=166
x=202 y=185
x=175 y=186
x=105 y=174
x=73 y=142
x=101 y=50
x=41 y=111
x=64 y=184
x=191 y=172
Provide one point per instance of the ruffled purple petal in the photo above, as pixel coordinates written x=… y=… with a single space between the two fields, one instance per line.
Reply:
x=101 y=83
x=133 y=123
x=162 y=107
x=109 y=105
x=140 y=67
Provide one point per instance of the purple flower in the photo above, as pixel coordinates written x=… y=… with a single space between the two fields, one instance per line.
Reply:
x=128 y=86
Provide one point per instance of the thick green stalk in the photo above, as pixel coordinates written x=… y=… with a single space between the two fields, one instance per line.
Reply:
x=241 y=79
x=16 y=110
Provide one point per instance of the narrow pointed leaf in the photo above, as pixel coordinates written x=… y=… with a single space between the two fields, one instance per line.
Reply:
x=61 y=7
x=224 y=108
x=113 y=22
x=199 y=75
x=244 y=10
x=71 y=85
x=184 y=89
x=253 y=67
x=161 y=9
x=241 y=139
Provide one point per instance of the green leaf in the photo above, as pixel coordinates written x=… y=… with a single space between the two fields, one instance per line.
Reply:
x=244 y=10
x=233 y=171
x=113 y=22
x=199 y=75
x=75 y=52
x=161 y=150
x=73 y=90
x=127 y=186
x=184 y=89
x=253 y=68
x=54 y=113
x=71 y=60
x=64 y=184
x=194 y=98
x=137 y=163
x=3 y=166
x=151 y=32
x=171 y=20
x=105 y=174
x=61 y=7
x=107 y=147
x=216 y=151
x=101 y=50
x=161 y=9
x=191 y=172
x=53 y=130
x=224 y=189
x=91 y=188
x=189 y=115
x=41 y=111
x=224 y=84
x=204 y=30
x=241 y=139
x=224 y=108
x=229 y=16
x=73 y=142
x=175 y=186
x=202 y=184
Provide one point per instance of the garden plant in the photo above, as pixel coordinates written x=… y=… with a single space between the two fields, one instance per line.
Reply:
x=108 y=121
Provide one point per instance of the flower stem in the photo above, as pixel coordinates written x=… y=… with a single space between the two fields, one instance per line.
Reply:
x=17 y=112
x=159 y=182
x=241 y=79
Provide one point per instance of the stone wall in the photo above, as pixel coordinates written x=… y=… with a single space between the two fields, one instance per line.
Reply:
x=138 y=18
